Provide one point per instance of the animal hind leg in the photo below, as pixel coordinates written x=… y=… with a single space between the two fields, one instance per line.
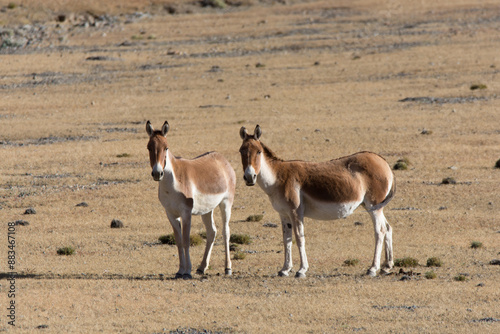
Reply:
x=389 y=257
x=380 y=230
x=208 y=221
x=225 y=209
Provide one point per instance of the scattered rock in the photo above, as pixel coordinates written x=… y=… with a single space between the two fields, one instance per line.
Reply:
x=115 y=223
x=215 y=69
x=358 y=224
x=21 y=223
x=478 y=86
x=270 y=225
x=30 y=211
x=83 y=204
x=495 y=262
x=449 y=180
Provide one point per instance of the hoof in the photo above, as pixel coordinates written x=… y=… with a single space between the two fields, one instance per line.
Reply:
x=282 y=274
x=371 y=273
x=178 y=275
x=300 y=275
x=187 y=276
x=385 y=271
x=229 y=272
x=200 y=272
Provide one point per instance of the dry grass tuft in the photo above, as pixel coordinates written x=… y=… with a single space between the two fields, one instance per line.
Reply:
x=254 y=218
x=242 y=239
x=434 y=262
x=476 y=244
x=351 y=262
x=406 y=262
x=430 y=275
x=66 y=251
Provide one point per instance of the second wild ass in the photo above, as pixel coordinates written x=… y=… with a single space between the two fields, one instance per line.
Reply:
x=321 y=190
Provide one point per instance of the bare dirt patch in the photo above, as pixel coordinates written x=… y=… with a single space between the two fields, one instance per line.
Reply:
x=79 y=80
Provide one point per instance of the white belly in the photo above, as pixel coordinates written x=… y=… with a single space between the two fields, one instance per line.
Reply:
x=327 y=210
x=203 y=203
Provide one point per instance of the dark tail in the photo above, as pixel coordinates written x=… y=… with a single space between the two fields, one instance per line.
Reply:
x=388 y=198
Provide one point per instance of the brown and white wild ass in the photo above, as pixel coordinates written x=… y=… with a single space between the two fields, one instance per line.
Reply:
x=192 y=187
x=320 y=190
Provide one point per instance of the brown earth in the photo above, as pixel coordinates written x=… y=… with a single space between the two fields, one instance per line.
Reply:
x=323 y=79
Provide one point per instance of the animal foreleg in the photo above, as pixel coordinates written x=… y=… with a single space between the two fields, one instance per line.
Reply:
x=208 y=221
x=298 y=229
x=186 y=230
x=286 y=225
x=176 y=226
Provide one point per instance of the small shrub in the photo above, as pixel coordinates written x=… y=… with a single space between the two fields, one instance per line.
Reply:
x=476 y=244
x=478 y=86
x=123 y=155
x=254 y=218
x=434 y=262
x=239 y=255
x=12 y=5
x=351 y=262
x=402 y=164
x=406 y=262
x=242 y=239
x=195 y=240
x=449 y=180
x=66 y=251
x=430 y=275
x=168 y=239
x=460 y=278
x=234 y=247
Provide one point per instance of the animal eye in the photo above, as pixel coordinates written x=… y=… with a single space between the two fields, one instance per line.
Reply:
x=259 y=152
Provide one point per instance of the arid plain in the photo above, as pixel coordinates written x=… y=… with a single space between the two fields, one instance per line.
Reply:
x=405 y=79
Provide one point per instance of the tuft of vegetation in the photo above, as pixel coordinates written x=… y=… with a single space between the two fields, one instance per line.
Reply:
x=406 y=262
x=260 y=65
x=242 y=239
x=12 y=5
x=460 y=278
x=203 y=234
x=434 y=262
x=430 y=275
x=402 y=164
x=497 y=164
x=476 y=244
x=254 y=218
x=214 y=3
x=351 y=262
x=115 y=223
x=239 y=255
x=169 y=239
x=66 y=251
x=234 y=248
x=195 y=240
x=449 y=180
x=478 y=86
x=124 y=155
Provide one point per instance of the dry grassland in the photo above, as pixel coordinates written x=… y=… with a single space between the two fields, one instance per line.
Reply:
x=323 y=79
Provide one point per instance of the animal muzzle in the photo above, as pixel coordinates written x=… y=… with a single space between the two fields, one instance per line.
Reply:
x=250 y=176
x=157 y=172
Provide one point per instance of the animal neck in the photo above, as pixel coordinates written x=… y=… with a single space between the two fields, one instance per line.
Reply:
x=267 y=175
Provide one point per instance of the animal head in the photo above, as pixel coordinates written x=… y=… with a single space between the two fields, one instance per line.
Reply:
x=157 y=147
x=251 y=154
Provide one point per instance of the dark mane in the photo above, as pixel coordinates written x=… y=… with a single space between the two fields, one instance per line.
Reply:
x=269 y=153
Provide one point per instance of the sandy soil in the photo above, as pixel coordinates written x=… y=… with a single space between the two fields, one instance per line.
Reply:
x=323 y=80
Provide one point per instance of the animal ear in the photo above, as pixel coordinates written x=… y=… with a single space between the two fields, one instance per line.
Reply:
x=164 y=128
x=149 y=128
x=243 y=133
x=258 y=132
